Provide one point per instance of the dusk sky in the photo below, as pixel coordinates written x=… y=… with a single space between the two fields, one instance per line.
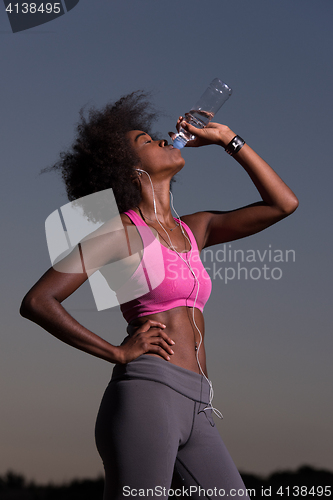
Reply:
x=268 y=338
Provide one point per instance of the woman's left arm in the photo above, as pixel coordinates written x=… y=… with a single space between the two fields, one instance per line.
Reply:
x=278 y=200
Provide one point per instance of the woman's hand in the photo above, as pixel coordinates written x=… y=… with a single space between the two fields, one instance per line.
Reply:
x=213 y=133
x=148 y=338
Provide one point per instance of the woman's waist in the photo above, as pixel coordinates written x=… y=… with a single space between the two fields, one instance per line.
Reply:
x=187 y=336
x=156 y=369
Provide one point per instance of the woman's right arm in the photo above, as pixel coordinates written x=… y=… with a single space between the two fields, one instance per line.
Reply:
x=42 y=305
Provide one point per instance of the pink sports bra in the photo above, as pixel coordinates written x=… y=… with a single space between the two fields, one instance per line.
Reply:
x=163 y=280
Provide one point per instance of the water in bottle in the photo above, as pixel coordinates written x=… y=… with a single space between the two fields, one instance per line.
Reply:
x=204 y=110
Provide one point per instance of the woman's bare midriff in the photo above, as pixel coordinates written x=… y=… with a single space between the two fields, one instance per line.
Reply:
x=181 y=329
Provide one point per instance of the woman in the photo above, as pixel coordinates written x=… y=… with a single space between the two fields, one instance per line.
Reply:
x=155 y=420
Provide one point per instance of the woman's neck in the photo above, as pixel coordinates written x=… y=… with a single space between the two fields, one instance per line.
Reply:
x=162 y=203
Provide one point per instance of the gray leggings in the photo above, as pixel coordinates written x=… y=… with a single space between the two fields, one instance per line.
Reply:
x=155 y=439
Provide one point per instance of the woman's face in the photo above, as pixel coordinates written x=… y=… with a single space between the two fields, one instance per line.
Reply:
x=155 y=156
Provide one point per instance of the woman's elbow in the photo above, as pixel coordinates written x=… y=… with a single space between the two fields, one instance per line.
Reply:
x=289 y=206
x=29 y=306
x=293 y=204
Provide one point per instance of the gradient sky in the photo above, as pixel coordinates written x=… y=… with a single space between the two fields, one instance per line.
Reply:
x=269 y=342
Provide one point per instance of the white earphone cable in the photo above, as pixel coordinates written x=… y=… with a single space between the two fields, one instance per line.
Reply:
x=188 y=264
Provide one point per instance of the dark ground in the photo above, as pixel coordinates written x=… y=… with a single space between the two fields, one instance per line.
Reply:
x=306 y=482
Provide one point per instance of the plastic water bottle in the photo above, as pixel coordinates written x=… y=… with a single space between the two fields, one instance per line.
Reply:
x=204 y=110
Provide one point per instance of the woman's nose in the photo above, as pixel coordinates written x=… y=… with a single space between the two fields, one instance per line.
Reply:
x=163 y=143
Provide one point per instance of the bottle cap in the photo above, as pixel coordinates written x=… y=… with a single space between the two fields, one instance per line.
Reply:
x=178 y=143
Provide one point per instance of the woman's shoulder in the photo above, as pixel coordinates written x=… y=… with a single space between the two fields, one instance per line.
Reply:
x=198 y=223
x=129 y=218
